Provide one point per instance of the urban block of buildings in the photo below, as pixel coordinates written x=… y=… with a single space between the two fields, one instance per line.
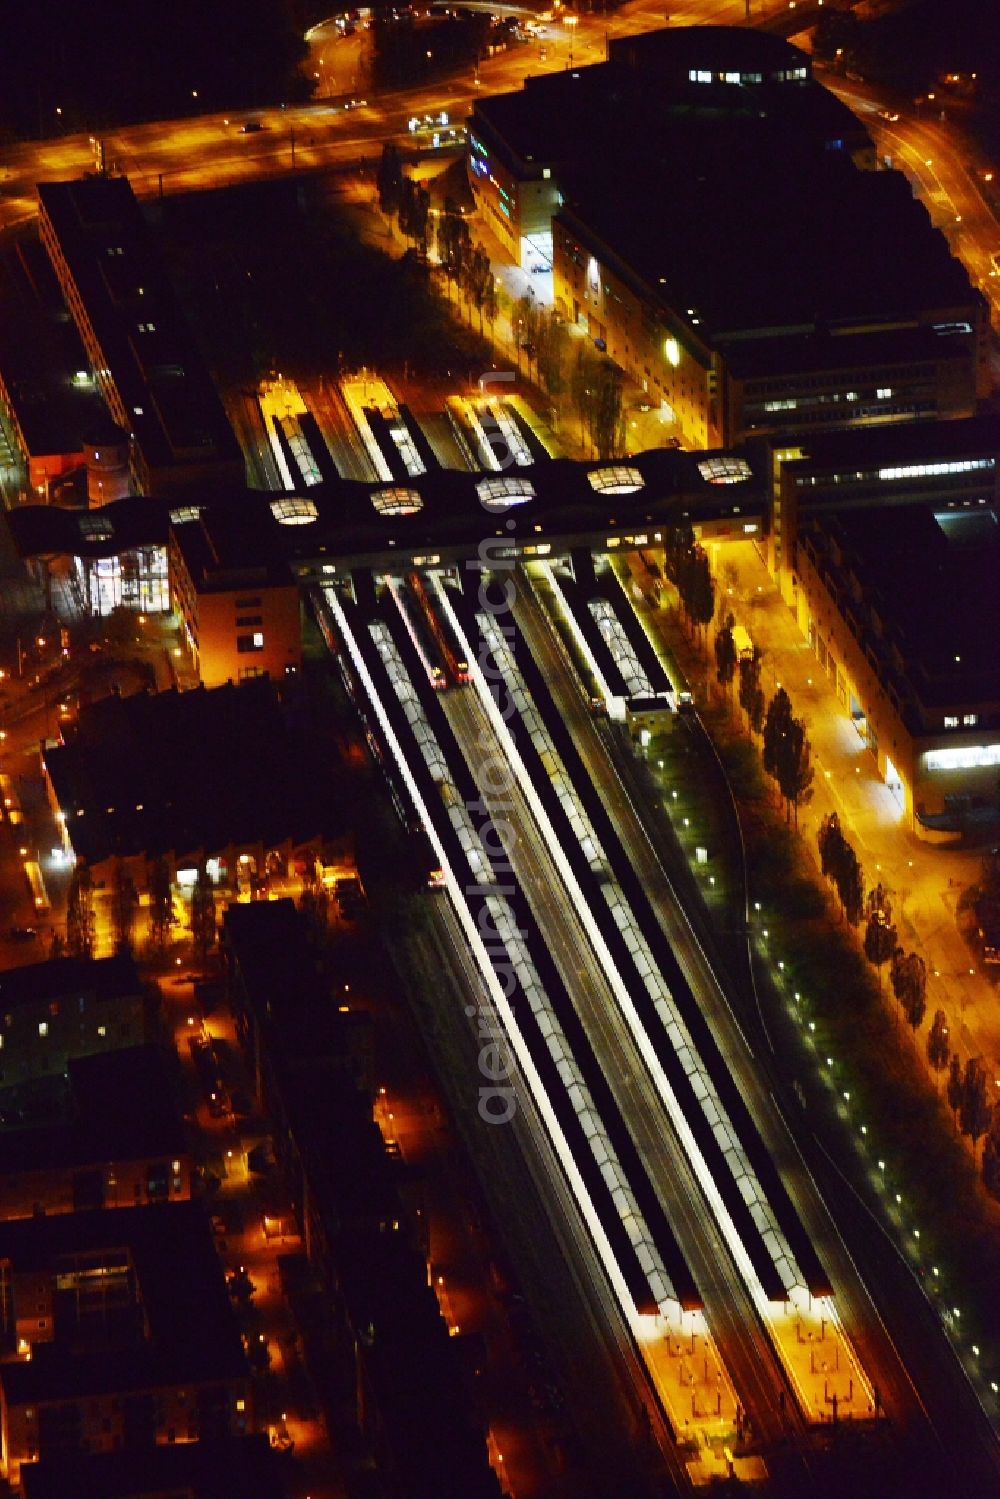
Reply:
x=360 y=1211
x=715 y=222
x=110 y=1137
x=116 y=1331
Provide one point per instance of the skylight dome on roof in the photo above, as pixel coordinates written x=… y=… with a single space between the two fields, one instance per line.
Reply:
x=616 y=478
x=294 y=510
x=397 y=500
x=725 y=470
x=95 y=526
x=503 y=491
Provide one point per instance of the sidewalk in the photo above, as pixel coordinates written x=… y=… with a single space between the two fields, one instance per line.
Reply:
x=924 y=882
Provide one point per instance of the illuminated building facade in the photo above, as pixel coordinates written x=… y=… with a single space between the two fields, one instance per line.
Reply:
x=718 y=230
x=886 y=545
x=115 y=1330
x=242 y=617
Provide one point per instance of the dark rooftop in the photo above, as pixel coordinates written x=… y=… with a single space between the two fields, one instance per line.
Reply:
x=41 y=356
x=834 y=351
x=240 y=1468
x=173 y=406
x=191 y=1333
x=107 y=530
x=120 y=1107
x=193 y=771
x=931 y=576
x=222 y=550
x=892 y=444
x=59 y=978
x=716 y=48
x=827 y=259
x=279 y=967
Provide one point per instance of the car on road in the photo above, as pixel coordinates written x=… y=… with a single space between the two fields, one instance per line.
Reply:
x=21 y=934
x=251 y=127
x=892 y=115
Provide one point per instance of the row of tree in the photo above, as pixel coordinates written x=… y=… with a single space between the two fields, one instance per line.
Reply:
x=908 y=972
x=563 y=366
x=967 y=1090
x=840 y=865
x=543 y=337
x=786 y=753
x=968 y=1097
x=785 y=750
x=786 y=758
x=688 y=569
x=465 y=262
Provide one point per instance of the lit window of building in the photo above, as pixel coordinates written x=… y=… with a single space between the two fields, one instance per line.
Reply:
x=935 y=470
x=724 y=470
x=294 y=510
x=397 y=500
x=95 y=526
x=968 y=757
x=503 y=492
x=617 y=478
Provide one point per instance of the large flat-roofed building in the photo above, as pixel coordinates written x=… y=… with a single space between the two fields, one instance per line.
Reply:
x=226 y=776
x=715 y=228
x=941 y=464
x=141 y=351
x=886 y=544
x=116 y=1331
